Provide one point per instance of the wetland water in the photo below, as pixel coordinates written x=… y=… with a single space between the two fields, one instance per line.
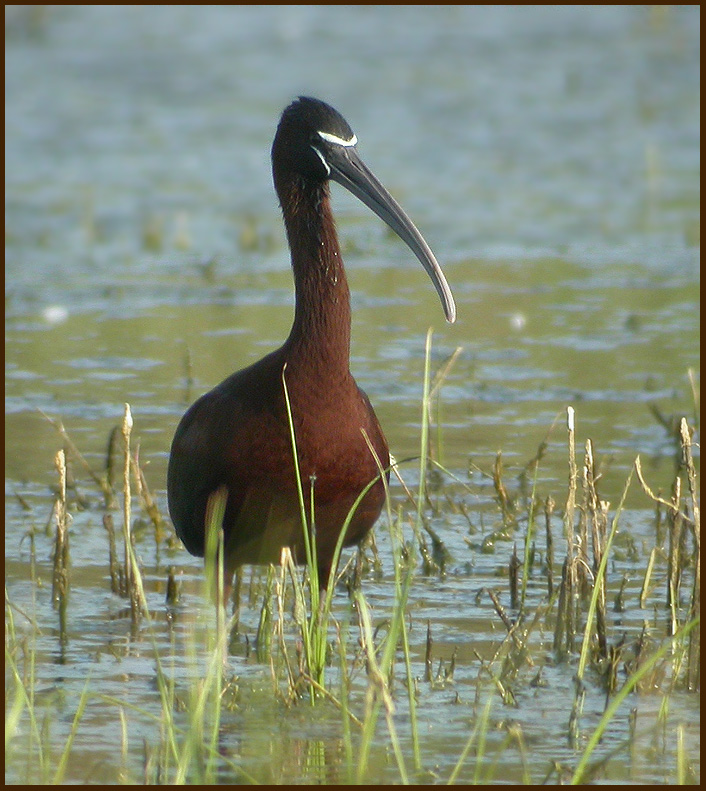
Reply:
x=550 y=157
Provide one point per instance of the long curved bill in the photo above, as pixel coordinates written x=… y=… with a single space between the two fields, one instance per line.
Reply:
x=349 y=170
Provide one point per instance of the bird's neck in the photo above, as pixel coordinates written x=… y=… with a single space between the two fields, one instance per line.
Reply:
x=320 y=335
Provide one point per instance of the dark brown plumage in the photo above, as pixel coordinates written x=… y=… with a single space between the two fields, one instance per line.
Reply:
x=238 y=434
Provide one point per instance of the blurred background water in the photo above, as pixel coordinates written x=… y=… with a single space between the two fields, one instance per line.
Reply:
x=549 y=155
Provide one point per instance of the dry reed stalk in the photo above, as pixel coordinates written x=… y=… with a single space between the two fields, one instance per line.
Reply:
x=573 y=478
x=72 y=484
x=563 y=642
x=676 y=518
x=61 y=538
x=428 y=661
x=126 y=428
x=548 y=511
x=673 y=564
x=110 y=455
x=598 y=512
x=60 y=577
x=570 y=603
x=694 y=662
x=285 y=565
x=513 y=569
x=133 y=578
x=582 y=564
x=116 y=585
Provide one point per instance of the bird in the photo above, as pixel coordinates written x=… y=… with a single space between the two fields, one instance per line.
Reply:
x=238 y=436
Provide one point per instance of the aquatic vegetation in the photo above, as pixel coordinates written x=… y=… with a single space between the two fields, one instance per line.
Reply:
x=563 y=605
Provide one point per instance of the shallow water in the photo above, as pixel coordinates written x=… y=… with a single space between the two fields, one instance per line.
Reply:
x=550 y=156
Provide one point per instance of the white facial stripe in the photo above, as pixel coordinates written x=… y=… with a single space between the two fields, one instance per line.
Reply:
x=323 y=161
x=339 y=141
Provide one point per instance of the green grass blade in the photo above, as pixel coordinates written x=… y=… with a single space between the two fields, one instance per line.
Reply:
x=63 y=761
x=481 y=726
x=597 y=582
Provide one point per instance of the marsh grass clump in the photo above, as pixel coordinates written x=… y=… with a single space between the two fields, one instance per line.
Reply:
x=364 y=677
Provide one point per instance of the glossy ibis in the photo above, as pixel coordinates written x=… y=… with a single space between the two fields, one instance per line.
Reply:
x=238 y=434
